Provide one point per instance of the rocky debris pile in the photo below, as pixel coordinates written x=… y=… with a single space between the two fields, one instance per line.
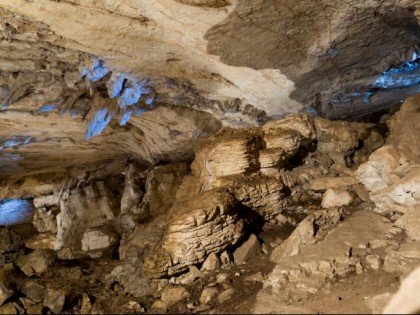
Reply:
x=278 y=213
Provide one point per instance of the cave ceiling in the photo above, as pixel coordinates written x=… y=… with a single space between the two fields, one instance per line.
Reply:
x=84 y=81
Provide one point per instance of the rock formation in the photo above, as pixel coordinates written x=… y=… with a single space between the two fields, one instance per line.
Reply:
x=209 y=156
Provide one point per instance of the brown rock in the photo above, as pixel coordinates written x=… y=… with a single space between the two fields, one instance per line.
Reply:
x=55 y=299
x=211 y=263
x=208 y=295
x=336 y=198
x=172 y=295
x=325 y=183
x=8 y=308
x=36 y=262
x=248 y=250
x=225 y=295
x=33 y=290
x=41 y=241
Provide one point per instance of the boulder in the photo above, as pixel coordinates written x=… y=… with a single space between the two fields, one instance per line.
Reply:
x=401 y=195
x=226 y=259
x=208 y=295
x=211 y=263
x=36 y=262
x=82 y=208
x=230 y=152
x=264 y=194
x=8 y=308
x=40 y=241
x=204 y=225
x=402 y=258
x=55 y=300
x=404 y=130
x=161 y=185
x=248 y=250
x=174 y=294
x=306 y=233
x=335 y=138
x=336 y=198
x=98 y=239
x=410 y=222
x=378 y=172
x=191 y=276
x=225 y=296
x=33 y=290
x=45 y=220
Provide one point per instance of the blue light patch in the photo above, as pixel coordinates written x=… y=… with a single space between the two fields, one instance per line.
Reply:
x=98 y=123
x=115 y=84
x=98 y=71
x=15 y=141
x=150 y=99
x=15 y=211
x=406 y=74
x=47 y=108
x=125 y=117
x=131 y=95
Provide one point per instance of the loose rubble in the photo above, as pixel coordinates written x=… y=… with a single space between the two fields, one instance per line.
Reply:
x=275 y=217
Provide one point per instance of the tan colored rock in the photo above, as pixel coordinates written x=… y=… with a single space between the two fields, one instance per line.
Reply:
x=36 y=262
x=36 y=309
x=193 y=274
x=99 y=238
x=206 y=224
x=81 y=209
x=401 y=195
x=225 y=296
x=378 y=172
x=305 y=233
x=172 y=295
x=55 y=299
x=33 y=290
x=410 y=222
x=250 y=249
x=226 y=259
x=299 y=123
x=231 y=152
x=406 y=300
x=41 y=241
x=161 y=186
x=336 y=138
x=336 y=198
x=404 y=130
x=402 y=258
x=208 y=295
x=8 y=308
x=325 y=183
x=265 y=195
x=45 y=220
x=257 y=277
x=211 y=263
